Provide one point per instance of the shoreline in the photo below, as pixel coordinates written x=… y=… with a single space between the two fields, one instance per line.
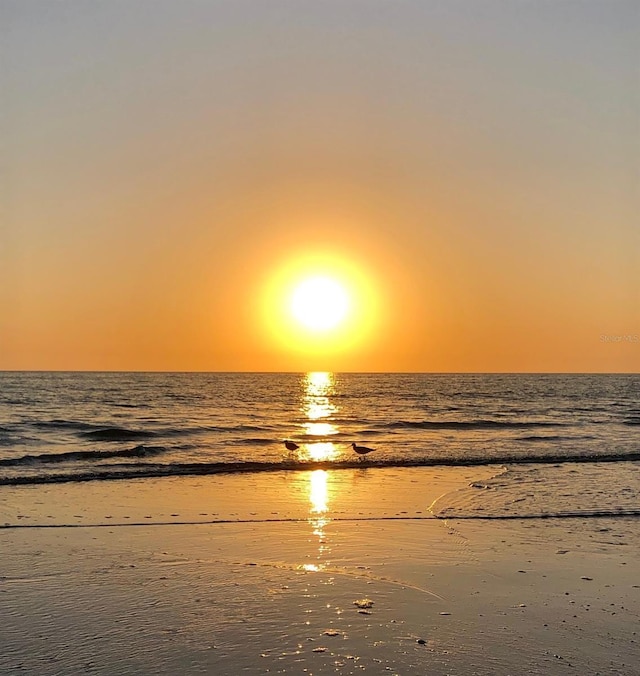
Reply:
x=251 y=497
x=206 y=469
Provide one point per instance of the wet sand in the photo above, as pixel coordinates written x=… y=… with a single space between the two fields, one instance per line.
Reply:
x=318 y=573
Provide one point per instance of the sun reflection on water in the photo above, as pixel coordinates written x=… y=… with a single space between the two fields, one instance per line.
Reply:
x=318 y=387
x=318 y=516
x=325 y=450
x=318 y=491
x=320 y=429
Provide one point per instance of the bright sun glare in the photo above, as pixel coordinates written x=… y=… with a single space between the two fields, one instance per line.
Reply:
x=320 y=303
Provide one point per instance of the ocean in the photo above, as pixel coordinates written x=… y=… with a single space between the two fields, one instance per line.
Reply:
x=562 y=445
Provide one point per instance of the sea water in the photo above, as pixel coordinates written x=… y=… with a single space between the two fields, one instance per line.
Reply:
x=562 y=445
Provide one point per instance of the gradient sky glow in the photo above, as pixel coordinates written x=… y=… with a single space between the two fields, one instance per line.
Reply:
x=476 y=162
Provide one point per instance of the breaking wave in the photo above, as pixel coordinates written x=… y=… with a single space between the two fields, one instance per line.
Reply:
x=112 y=472
x=81 y=456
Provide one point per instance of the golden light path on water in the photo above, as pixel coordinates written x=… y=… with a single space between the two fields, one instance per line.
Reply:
x=318 y=516
x=317 y=406
x=318 y=491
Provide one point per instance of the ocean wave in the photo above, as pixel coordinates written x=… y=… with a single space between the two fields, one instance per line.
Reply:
x=81 y=456
x=7 y=437
x=59 y=423
x=92 y=431
x=151 y=470
x=107 y=432
x=256 y=441
x=468 y=424
x=553 y=437
x=234 y=428
x=118 y=434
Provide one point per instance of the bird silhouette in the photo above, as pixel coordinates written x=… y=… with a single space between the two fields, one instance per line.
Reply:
x=290 y=445
x=362 y=450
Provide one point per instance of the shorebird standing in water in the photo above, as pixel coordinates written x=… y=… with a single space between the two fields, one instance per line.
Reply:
x=362 y=450
x=290 y=445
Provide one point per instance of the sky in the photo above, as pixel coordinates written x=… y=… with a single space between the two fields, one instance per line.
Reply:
x=467 y=170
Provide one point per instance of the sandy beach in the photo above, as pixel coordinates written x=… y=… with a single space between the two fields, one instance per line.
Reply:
x=339 y=572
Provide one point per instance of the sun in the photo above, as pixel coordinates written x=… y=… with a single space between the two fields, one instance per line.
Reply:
x=319 y=306
x=320 y=303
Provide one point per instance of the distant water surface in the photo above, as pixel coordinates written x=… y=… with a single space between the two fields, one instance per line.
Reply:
x=569 y=443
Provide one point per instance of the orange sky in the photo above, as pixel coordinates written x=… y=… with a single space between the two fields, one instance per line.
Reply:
x=475 y=165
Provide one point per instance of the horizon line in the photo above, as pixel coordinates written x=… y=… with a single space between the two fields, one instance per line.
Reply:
x=297 y=372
